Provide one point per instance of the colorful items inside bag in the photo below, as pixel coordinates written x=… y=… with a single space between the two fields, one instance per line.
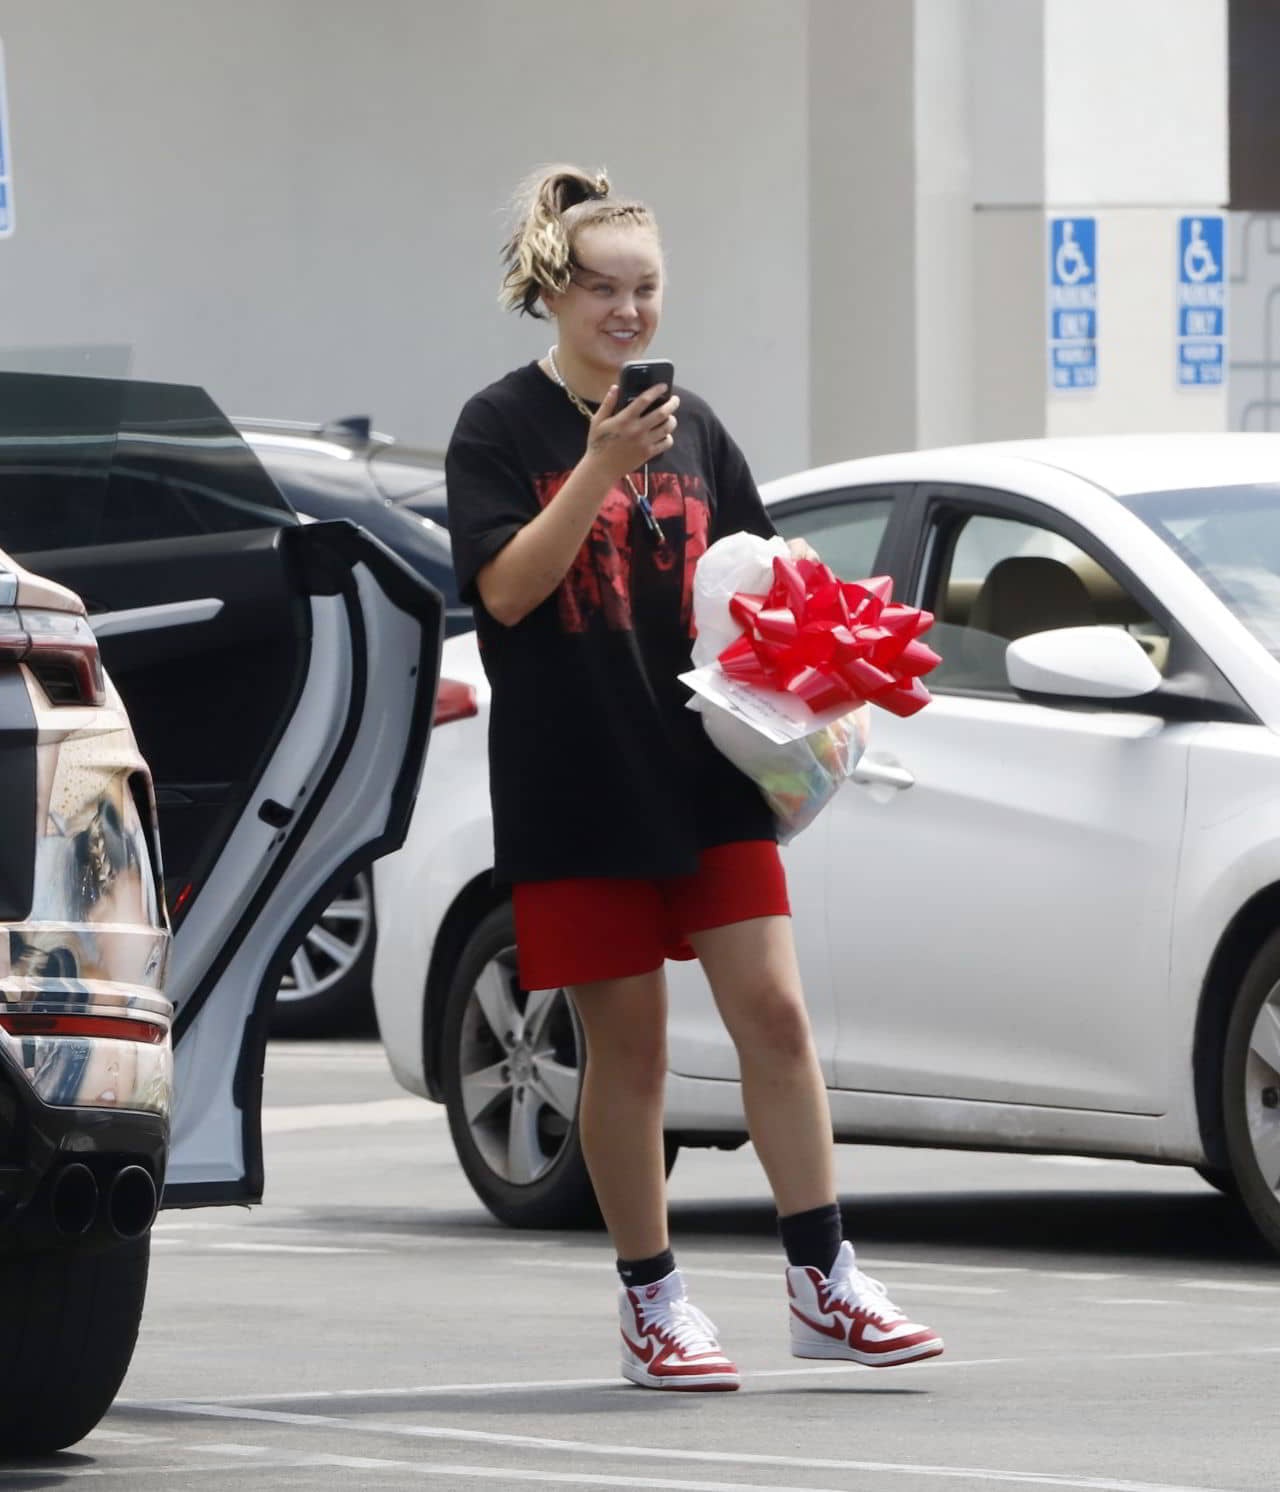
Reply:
x=786 y=658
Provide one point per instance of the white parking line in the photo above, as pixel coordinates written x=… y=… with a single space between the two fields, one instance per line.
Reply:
x=290 y=1119
x=506 y=1475
x=283 y=1248
x=539 y=1385
x=1128 y=1300
x=725 y=1458
x=1227 y=1285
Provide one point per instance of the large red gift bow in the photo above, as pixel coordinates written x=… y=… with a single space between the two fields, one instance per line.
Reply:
x=829 y=641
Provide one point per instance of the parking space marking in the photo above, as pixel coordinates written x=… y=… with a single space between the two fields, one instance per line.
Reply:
x=125 y=1437
x=233 y=1448
x=284 y=1248
x=1128 y=1300
x=506 y=1475
x=540 y=1385
x=292 y=1118
x=1227 y=1285
x=349 y=1425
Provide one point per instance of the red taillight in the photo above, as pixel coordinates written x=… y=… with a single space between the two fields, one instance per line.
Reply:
x=122 y=1029
x=60 y=650
x=454 y=701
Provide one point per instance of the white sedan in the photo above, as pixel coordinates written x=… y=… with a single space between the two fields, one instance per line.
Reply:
x=1045 y=913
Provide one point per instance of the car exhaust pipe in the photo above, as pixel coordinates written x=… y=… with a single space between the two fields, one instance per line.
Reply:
x=73 y=1200
x=131 y=1202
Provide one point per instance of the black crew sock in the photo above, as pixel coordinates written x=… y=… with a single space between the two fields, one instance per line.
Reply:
x=813 y=1237
x=635 y=1272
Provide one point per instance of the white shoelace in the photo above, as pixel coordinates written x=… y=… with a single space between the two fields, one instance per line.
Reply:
x=683 y=1324
x=868 y=1294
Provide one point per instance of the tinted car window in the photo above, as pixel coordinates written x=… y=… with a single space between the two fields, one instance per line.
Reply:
x=1230 y=536
x=324 y=480
x=87 y=461
x=846 y=530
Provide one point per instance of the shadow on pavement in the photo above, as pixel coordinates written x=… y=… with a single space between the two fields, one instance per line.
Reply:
x=1099 y=1225
x=37 y=1473
x=1195 y=1227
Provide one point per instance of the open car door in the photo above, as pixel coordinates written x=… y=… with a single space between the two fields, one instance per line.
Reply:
x=279 y=677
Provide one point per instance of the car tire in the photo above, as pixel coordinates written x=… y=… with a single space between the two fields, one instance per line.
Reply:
x=67 y=1333
x=1251 y=1090
x=327 y=991
x=517 y=1141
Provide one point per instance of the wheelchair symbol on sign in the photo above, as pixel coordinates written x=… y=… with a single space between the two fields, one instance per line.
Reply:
x=1069 y=262
x=1198 y=262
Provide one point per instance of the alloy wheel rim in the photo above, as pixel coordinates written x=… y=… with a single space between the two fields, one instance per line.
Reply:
x=333 y=946
x=1262 y=1089
x=520 y=1072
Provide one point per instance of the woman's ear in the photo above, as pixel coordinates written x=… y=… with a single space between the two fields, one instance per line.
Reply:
x=550 y=301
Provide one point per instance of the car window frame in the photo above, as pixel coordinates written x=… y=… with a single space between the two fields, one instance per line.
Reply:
x=1215 y=699
x=890 y=551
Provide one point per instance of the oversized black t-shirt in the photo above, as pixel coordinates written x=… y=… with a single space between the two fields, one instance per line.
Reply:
x=597 y=768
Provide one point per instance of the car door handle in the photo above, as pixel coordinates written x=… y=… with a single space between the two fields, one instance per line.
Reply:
x=873 y=773
x=150 y=618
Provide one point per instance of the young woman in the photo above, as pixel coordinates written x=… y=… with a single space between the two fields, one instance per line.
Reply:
x=627 y=838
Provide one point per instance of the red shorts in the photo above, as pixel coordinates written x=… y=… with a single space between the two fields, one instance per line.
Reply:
x=589 y=928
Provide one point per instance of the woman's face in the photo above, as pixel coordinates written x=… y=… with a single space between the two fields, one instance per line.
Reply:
x=610 y=311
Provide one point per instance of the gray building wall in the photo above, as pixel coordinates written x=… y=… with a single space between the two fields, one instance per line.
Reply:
x=298 y=203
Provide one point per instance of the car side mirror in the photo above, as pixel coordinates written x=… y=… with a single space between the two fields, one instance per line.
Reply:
x=1082 y=662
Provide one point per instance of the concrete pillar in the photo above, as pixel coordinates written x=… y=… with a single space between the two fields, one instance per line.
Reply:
x=1088 y=109
x=944 y=138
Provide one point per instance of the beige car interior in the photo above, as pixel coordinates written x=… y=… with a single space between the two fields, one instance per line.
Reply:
x=1026 y=593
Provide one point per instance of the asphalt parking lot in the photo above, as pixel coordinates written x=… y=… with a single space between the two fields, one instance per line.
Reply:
x=1108 y=1326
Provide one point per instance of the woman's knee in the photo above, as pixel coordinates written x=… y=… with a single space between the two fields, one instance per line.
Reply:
x=771 y=1021
x=626 y=1037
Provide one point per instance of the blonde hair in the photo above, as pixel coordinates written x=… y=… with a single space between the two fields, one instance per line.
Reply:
x=551 y=208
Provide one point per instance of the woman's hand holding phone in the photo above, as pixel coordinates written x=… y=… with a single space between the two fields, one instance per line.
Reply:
x=621 y=441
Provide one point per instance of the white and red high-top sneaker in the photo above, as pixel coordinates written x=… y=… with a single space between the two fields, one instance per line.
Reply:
x=849 y=1315
x=669 y=1343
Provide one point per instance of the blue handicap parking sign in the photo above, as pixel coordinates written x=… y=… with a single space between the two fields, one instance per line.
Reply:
x=1073 y=303
x=1201 y=300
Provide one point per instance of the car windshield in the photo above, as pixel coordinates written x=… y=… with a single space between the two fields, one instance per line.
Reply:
x=91 y=461
x=1230 y=536
x=403 y=473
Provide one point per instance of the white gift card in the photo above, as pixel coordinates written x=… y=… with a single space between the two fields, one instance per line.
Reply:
x=778 y=716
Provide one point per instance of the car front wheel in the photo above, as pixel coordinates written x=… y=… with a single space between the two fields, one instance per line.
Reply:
x=1251 y=1090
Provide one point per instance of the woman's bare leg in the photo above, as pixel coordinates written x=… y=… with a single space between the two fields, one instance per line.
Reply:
x=620 y=1117
x=756 y=983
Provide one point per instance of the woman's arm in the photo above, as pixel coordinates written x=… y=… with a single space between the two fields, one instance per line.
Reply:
x=536 y=559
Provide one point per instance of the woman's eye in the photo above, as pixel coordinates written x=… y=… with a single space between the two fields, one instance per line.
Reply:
x=604 y=289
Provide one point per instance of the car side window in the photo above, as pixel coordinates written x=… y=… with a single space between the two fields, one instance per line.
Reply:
x=845 y=528
x=1002 y=578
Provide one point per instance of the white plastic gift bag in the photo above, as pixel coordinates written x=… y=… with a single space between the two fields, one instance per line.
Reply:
x=797 y=759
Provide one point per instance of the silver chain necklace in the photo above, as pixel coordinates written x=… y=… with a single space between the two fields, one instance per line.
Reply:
x=641 y=496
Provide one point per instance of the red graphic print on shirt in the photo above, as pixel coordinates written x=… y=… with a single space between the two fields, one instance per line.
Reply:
x=598 y=584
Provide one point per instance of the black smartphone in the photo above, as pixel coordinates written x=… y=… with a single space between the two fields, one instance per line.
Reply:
x=637 y=377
